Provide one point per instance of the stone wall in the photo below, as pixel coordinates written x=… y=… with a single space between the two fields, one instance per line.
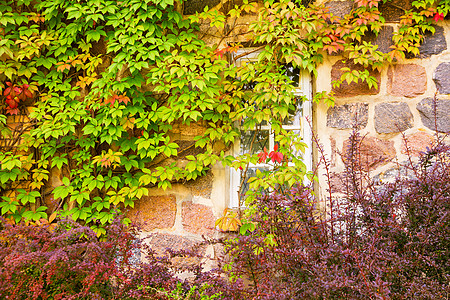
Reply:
x=183 y=215
x=400 y=109
x=399 y=112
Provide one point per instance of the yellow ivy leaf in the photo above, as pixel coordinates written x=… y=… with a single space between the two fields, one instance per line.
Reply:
x=128 y=123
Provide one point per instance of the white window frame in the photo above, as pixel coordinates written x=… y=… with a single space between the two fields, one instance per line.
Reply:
x=300 y=124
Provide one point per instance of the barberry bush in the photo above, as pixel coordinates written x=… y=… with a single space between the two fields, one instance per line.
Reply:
x=377 y=240
x=68 y=261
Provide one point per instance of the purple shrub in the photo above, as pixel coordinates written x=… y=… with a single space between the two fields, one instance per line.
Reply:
x=66 y=263
x=70 y=262
x=379 y=240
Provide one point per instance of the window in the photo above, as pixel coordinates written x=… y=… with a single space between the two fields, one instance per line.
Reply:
x=254 y=141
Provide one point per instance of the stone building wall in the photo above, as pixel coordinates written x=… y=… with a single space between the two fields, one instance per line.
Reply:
x=400 y=109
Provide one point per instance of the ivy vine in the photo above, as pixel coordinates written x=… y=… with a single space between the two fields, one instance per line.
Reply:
x=92 y=92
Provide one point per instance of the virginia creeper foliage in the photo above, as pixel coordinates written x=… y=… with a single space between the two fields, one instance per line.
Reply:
x=99 y=86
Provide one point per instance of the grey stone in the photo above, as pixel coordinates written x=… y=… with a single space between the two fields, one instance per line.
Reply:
x=384 y=39
x=348 y=116
x=401 y=172
x=190 y=7
x=397 y=175
x=433 y=43
x=441 y=78
x=340 y=8
x=202 y=186
x=393 y=117
x=159 y=242
x=435 y=114
x=372 y=153
x=338 y=182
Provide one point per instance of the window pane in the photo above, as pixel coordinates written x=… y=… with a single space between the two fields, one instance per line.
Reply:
x=249 y=86
x=294 y=116
x=254 y=141
x=298 y=136
x=293 y=74
x=251 y=172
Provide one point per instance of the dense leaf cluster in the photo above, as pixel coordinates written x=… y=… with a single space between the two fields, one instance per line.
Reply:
x=104 y=90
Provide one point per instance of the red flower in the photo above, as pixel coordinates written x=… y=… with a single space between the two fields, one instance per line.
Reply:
x=438 y=17
x=275 y=155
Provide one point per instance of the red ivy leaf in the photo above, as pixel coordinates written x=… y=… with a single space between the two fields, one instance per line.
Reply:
x=117 y=98
x=229 y=49
x=263 y=155
x=111 y=100
x=105 y=162
x=276 y=156
x=62 y=66
x=7 y=91
x=123 y=99
x=12 y=102
x=17 y=90
x=28 y=94
x=13 y=111
x=438 y=17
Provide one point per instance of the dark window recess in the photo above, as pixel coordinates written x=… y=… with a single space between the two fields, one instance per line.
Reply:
x=190 y=7
x=249 y=86
x=292 y=73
